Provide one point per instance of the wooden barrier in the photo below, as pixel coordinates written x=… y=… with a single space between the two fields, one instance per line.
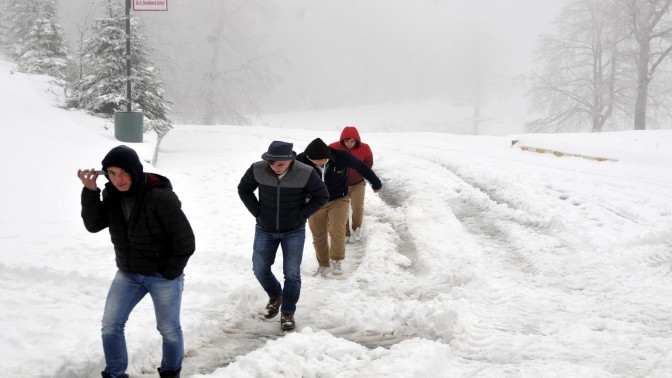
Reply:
x=559 y=153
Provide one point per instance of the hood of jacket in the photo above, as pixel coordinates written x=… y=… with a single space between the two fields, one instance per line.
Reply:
x=155 y=180
x=350 y=132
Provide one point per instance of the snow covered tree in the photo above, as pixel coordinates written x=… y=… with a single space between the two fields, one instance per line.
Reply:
x=4 y=25
x=102 y=89
x=36 y=40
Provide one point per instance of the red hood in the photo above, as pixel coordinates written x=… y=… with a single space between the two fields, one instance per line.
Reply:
x=350 y=132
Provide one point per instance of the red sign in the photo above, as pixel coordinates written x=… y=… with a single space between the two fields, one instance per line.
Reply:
x=150 y=5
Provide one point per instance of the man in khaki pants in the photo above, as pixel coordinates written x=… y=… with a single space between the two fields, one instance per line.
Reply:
x=330 y=221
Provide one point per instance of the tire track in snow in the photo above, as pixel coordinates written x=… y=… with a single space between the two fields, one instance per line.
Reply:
x=225 y=344
x=482 y=336
x=233 y=336
x=242 y=337
x=522 y=299
x=549 y=286
x=395 y=196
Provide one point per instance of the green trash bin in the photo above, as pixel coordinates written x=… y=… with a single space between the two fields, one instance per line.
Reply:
x=128 y=126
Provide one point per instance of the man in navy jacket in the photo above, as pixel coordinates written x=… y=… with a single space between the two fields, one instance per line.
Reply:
x=330 y=221
x=289 y=193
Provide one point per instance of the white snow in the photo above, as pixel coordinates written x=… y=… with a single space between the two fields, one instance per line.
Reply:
x=478 y=259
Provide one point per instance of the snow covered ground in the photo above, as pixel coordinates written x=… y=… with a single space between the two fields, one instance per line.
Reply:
x=478 y=259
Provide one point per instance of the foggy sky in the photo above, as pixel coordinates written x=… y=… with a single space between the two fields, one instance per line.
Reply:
x=339 y=53
x=388 y=49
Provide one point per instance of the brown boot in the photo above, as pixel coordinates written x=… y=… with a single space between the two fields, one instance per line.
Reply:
x=287 y=322
x=273 y=307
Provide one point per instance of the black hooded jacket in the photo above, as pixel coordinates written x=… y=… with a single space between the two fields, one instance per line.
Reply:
x=157 y=238
x=336 y=172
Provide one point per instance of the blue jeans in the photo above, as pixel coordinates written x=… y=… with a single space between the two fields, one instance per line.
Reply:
x=263 y=256
x=126 y=291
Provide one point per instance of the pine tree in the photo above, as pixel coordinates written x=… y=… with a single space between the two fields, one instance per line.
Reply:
x=4 y=22
x=102 y=89
x=36 y=40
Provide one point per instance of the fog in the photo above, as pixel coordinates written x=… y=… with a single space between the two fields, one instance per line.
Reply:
x=260 y=57
x=354 y=51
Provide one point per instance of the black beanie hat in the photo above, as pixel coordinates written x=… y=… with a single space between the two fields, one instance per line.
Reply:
x=127 y=159
x=317 y=150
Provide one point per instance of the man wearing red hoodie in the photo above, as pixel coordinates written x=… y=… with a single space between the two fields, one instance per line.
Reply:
x=351 y=142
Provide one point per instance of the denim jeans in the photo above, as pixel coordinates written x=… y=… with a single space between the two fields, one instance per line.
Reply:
x=266 y=244
x=125 y=293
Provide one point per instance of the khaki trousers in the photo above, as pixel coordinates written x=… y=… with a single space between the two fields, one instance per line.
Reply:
x=356 y=193
x=329 y=223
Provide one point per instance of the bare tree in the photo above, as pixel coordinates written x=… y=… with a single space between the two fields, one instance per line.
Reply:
x=651 y=25
x=233 y=79
x=83 y=30
x=476 y=78
x=581 y=84
x=216 y=108
x=220 y=74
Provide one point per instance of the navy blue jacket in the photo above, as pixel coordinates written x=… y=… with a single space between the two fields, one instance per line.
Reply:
x=283 y=204
x=336 y=175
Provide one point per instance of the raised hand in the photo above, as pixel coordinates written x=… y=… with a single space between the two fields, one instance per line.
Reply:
x=88 y=178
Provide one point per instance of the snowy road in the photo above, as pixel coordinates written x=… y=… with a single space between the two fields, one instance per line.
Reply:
x=478 y=259
x=517 y=261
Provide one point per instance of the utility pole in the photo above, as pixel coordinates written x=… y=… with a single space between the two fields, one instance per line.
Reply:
x=128 y=125
x=128 y=56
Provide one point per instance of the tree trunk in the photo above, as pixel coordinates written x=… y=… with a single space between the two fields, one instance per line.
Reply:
x=211 y=82
x=597 y=122
x=643 y=80
x=598 y=82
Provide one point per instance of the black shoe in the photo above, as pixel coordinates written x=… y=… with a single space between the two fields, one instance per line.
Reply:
x=287 y=322
x=273 y=307
x=169 y=373
x=108 y=375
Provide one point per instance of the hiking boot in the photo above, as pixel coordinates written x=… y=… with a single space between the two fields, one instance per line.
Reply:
x=273 y=307
x=108 y=375
x=336 y=268
x=169 y=373
x=357 y=234
x=322 y=271
x=287 y=322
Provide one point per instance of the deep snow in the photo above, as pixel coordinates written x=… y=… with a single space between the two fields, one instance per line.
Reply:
x=478 y=259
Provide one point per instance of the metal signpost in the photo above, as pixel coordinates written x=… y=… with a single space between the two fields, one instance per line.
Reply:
x=128 y=125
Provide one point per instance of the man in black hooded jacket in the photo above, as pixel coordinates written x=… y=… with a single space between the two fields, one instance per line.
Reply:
x=328 y=224
x=152 y=240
